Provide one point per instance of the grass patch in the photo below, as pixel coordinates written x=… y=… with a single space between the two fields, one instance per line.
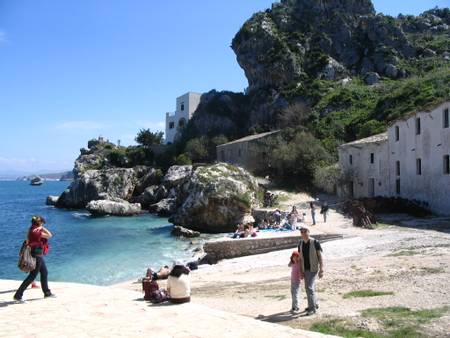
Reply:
x=397 y=322
x=404 y=253
x=341 y=328
x=427 y=270
x=404 y=322
x=367 y=293
x=397 y=316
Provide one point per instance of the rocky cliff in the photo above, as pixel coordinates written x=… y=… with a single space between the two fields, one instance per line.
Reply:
x=330 y=57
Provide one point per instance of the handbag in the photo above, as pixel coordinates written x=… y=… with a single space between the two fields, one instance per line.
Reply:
x=27 y=262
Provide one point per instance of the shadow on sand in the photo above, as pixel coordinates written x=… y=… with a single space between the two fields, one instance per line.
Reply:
x=281 y=316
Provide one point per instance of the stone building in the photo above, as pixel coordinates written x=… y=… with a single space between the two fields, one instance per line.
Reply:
x=365 y=166
x=186 y=106
x=249 y=152
x=411 y=160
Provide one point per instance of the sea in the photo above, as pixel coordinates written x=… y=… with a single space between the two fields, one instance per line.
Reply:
x=84 y=249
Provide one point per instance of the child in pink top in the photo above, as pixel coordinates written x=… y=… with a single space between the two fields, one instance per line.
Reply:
x=296 y=277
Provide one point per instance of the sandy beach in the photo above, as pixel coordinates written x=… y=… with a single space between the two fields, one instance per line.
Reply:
x=407 y=262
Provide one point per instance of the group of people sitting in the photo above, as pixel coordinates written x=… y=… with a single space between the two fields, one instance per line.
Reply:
x=178 y=288
x=278 y=220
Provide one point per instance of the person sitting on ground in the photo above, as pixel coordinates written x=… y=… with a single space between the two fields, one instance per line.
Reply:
x=264 y=224
x=179 y=284
x=239 y=231
x=277 y=216
x=163 y=273
x=252 y=230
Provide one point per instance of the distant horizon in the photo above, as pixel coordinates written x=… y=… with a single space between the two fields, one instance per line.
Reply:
x=76 y=70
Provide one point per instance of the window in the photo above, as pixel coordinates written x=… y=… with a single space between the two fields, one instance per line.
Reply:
x=222 y=153
x=397 y=168
x=445 y=120
x=181 y=123
x=397 y=133
x=171 y=125
x=418 y=166
x=446 y=164
x=372 y=158
x=182 y=106
x=418 y=126
x=397 y=186
x=350 y=159
x=239 y=152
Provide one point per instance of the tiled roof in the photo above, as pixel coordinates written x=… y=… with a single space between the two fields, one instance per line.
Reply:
x=250 y=138
x=371 y=139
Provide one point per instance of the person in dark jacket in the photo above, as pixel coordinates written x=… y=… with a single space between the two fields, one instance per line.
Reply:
x=37 y=239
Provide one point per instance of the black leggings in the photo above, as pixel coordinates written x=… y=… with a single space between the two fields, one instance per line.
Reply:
x=40 y=268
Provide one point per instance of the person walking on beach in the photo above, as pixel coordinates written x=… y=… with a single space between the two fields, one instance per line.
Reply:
x=37 y=239
x=324 y=211
x=311 y=262
x=296 y=277
x=313 y=212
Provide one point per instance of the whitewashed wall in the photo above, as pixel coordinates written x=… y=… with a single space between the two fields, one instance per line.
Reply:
x=433 y=185
x=362 y=170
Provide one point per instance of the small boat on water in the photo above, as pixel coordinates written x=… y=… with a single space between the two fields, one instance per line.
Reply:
x=36 y=181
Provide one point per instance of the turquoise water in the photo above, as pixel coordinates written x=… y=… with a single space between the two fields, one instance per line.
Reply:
x=99 y=251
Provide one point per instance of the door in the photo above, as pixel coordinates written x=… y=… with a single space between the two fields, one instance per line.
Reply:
x=371 y=187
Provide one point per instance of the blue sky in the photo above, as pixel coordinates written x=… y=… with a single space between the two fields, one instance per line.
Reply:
x=71 y=70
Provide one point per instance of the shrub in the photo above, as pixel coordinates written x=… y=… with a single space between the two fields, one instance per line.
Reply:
x=117 y=157
x=296 y=154
x=183 y=159
x=197 y=149
x=147 y=138
x=327 y=178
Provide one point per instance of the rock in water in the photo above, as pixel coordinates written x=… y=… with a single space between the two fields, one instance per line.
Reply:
x=218 y=197
x=106 y=184
x=183 y=232
x=52 y=200
x=115 y=208
x=165 y=207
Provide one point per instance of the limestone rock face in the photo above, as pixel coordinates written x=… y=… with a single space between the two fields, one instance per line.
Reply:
x=52 y=200
x=218 y=196
x=106 y=184
x=165 y=207
x=177 y=175
x=296 y=39
x=114 y=208
x=371 y=78
x=183 y=232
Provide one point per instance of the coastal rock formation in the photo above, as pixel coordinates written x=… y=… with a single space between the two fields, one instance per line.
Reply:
x=218 y=196
x=52 y=200
x=114 y=208
x=183 y=232
x=165 y=207
x=106 y=184
x=176 y=176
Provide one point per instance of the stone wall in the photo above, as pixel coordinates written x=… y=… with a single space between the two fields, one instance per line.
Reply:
x=253 y=246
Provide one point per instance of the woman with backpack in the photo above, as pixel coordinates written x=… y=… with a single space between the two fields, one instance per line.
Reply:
x=37 y=240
